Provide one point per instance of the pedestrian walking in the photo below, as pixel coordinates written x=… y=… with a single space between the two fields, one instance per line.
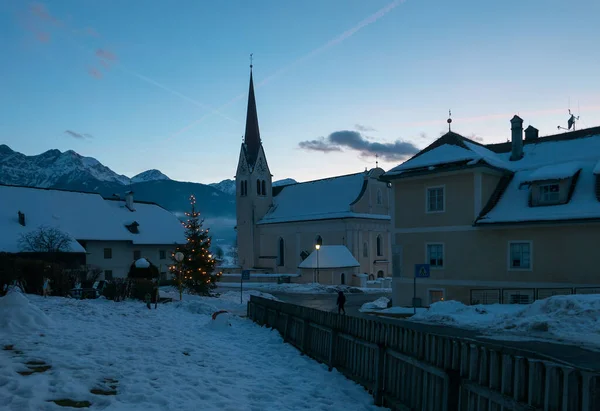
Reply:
x=341 y=300
x=45 y=287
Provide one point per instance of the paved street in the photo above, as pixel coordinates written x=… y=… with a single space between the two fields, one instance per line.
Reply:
x=327 y=302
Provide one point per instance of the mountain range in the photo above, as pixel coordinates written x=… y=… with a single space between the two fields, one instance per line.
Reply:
x=70 y=171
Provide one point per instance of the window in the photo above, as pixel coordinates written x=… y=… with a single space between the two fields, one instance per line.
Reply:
x=520 y=255
x=263 y=187
x=281 y=253
x=108 y=275
x=435 y=199
x=435 y=255
x=365 y=250
x=258 y=187
x=162 y=254
x=549 y=194
x=107 y=253
x=379 y=197
x=380 y=274
x=379 y=246
x=343 y=279
x=243 y=188
x=137 y=254
x=436 y=296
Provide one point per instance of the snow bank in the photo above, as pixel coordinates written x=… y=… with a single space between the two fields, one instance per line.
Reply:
x=17 y=315
x=378 y=304
x=568 y=318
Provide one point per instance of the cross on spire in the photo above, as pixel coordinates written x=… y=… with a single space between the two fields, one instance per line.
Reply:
x=449 y=121
x=251 y=54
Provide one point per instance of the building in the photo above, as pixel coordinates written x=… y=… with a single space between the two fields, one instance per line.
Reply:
x=277 y=227
x=111 y=232
x=510 y=222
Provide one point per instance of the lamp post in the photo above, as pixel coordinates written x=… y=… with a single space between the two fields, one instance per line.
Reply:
x=179 y=258
x=318 y=247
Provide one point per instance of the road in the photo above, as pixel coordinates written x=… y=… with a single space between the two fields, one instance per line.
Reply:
x=327 y=302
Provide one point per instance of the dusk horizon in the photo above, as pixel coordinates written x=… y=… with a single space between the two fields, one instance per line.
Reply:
x=339 y=86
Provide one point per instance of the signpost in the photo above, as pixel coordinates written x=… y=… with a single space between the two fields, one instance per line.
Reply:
x=245 y=276
x=421 y=271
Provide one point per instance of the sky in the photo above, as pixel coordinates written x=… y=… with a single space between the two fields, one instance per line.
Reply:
x=163 y=85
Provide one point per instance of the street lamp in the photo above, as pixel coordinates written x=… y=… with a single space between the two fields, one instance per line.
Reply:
x=318 y=247
x=179 y=258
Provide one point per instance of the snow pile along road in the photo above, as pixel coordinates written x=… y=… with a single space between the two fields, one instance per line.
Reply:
x=122 y=356
x=377 y=305
x=566 y=318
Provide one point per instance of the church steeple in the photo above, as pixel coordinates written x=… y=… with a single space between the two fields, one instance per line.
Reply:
x=252 y=135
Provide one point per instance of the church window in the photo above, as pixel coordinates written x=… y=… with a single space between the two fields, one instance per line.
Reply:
x=258 y=187
x=263 y=187
x=281 y=252
x=379 y=197
x=365 y=250
x=243 y=188
x=379 y=246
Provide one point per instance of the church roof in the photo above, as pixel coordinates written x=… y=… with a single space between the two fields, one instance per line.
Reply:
x=329 y=198
x=330 y=256
x=252 y=140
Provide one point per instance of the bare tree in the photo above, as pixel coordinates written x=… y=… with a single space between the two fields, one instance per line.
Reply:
x=219 y=253
x=45 y=240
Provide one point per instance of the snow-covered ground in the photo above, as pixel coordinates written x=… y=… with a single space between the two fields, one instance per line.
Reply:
x=311 y=288
x=122 y=356
x=377 y=305
x=573 y=319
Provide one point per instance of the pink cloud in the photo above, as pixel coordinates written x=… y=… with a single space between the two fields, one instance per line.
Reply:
x=43 y=37
x=90 y=31
x=106 y=55
x=94 y=72
x=40 y=10
x=105 y=64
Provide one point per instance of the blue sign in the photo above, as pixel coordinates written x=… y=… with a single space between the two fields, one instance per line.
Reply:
x=245 y=275
x=422 y=271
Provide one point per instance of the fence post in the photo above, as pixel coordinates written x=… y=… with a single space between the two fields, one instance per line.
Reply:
x=332 y=349
x=380 y=372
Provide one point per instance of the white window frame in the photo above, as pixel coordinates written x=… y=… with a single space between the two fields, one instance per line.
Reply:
x=443 y=290
x=436 y=267
x=509 y=259
x=443 y=187
x=542 y=196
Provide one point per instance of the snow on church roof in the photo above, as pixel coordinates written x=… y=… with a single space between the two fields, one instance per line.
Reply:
x=318 y=200
x=82 y=216
x=330 y=256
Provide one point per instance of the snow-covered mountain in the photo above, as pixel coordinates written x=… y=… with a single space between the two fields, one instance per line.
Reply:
x=53 y=167
x=149 y=175
x=228 y=186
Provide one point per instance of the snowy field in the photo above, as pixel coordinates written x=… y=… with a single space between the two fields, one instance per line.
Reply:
x=571 y=319
x=122 y=356
x=311 y=288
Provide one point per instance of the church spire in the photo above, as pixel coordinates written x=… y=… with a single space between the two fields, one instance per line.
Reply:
x=252 y=135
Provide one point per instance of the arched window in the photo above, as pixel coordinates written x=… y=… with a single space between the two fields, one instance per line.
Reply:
x=258 y=187
x=343 y=279
x=379 y=246
x=380 y=274
x=365 y=250
x=318 y=240
x=263 y=188
x=371 y=277
x=281 y=252
x=379 y=197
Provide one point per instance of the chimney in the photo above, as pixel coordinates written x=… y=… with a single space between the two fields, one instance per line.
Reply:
x=531 y=133
x=21 y=218
x=129 y=200
x=516 y=126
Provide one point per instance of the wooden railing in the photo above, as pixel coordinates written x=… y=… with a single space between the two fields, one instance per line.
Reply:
x=406 y=368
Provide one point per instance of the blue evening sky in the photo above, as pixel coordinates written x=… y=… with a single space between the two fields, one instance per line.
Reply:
x=163 y=84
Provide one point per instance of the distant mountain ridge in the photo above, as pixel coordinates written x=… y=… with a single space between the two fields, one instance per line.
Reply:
x=228 y=186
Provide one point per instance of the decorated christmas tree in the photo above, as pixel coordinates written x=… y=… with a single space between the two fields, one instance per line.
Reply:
x=196 y=270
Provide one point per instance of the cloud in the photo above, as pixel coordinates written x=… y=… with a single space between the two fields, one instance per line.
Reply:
x=106 y=55
x=353 y=140
x=90 y=31
x=363 y=128
x=40 y=11
x=319 y=145
x=80 y=136
x=94 y=72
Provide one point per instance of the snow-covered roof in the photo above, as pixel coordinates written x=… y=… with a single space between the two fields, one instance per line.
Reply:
x=556 y=171
x=330 y=256
x=446 y=153
x=83 y=216
x=318 y=200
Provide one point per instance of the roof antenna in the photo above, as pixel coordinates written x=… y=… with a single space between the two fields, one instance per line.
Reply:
x=449 y=121
x=571 y=123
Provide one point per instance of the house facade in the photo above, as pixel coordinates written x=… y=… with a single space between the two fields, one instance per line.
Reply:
x=278 y=227
x=500 y=223
x=112 y=233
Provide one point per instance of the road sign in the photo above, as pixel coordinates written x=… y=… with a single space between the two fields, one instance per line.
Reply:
x=245 y=275
x=422 y=271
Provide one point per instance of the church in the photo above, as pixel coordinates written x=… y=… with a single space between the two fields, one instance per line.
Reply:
x=279 y=227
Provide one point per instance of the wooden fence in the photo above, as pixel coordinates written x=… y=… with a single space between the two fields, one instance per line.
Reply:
x=406 y=368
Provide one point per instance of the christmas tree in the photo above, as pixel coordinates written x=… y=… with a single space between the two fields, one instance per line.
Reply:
x=196 y=270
